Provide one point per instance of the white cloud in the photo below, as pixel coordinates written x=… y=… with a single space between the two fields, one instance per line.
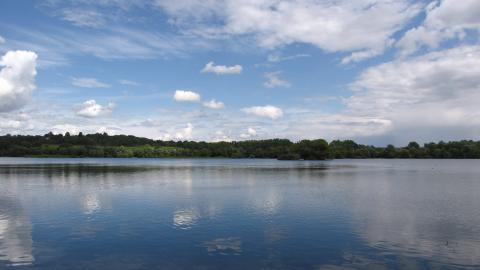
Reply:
x=220 y=136
x=334 y=26
x=2 y=40
x=17 y=79
x=274 y=80
x=129 y=82
x=276 y=57
x=425 y=94
x=83 y=17
x=93 y=14
x=295 y=124
x=109 y=130
x=183 y=134
x=444 y=20
x=148 y=123
x=91 y=108
x=362 y=55
x=210 y=67
x=251 y=132
x=213 y=104
x=89 y=83
x=9 y=124
x=264 y=111
x=336 y=126
x=186 y=95
x=64 y=128
x=57 y=45
x=186 y=133
x=165 y=137
x=16 y=123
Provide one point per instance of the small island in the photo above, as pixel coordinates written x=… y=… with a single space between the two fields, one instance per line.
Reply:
x=127 y=146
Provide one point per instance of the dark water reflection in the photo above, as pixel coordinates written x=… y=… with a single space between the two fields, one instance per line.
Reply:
x=239 y=214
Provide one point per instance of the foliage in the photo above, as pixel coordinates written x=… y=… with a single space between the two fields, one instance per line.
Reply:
x=454 y=149
x=103 y=145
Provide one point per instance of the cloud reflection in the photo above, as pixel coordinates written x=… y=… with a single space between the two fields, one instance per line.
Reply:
x=15 y=234
x=224 y=246
x=436 y=224
x=185 y=219
x=91 y=204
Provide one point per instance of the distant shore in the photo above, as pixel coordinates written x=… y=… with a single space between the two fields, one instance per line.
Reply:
x=124 y=146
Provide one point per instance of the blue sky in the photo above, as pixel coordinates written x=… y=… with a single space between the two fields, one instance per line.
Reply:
x=376 y=71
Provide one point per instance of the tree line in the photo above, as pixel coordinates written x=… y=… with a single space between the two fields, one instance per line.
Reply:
x=104 y=145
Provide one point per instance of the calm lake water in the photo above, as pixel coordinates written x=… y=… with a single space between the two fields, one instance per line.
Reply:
x=239 y=214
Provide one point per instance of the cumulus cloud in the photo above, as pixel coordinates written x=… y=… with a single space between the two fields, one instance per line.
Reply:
x=213 y=104
x=91 y=109
x=220 y=136
x=336 y=126
x=64 y=128
x=17 y=79
x=186 y=133
x=183 y=134
x=264 y=111
x=438 y=90
x=16 y=123
x=109 y=130
x=186 y=96
x=334 y=26
x=9 y=124
x=89 y=83
x=251 y=132
x=444 y=20
x=210 y=67
x=274 y=80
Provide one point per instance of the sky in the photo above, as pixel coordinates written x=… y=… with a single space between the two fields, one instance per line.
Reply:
x=375 y=71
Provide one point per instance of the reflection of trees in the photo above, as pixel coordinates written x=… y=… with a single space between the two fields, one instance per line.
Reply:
x=77 y=175
x=15 y=233
x=195 y=196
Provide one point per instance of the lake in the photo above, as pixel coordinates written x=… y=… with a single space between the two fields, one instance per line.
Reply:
x=239 y=214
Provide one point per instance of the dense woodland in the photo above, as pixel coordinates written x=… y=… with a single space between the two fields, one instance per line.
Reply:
x=103 y=145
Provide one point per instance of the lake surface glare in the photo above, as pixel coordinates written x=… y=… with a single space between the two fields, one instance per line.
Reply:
x=239 y=214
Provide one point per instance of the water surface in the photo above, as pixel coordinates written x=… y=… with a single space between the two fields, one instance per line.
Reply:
x=239 y=214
